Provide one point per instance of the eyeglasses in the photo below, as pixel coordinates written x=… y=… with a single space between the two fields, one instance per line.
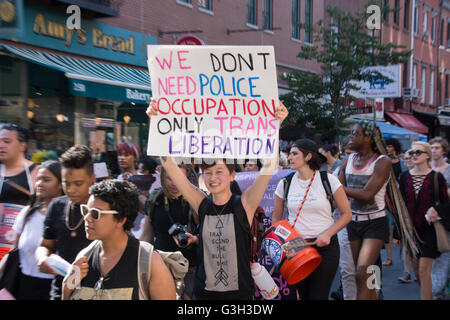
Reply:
x=417 y=153
x=98 y=285
x=94 y=212
x=355 y=132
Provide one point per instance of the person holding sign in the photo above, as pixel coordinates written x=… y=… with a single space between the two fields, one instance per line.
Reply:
x=224 y=247
x=307 y=200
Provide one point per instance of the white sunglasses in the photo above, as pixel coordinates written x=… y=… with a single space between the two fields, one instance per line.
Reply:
x=94 y=212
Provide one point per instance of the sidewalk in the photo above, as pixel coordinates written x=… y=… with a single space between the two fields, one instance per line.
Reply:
x=392 y=288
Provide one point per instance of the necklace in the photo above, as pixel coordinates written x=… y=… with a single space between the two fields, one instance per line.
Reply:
x=221 y=211
x=73 y=233
x=358 y=159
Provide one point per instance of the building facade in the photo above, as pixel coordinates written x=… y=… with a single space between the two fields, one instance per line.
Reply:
x=422 y=26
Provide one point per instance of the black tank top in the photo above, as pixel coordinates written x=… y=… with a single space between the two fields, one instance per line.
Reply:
x=224 y=252
x=10 y=194
x=121 y=283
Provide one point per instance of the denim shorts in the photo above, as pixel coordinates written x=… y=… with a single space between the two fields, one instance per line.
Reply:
x=370 y=229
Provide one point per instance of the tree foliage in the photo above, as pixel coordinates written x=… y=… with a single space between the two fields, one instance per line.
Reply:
x=343 y=49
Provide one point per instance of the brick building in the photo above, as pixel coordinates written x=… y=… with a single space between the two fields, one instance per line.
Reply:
x=424 y=27
x=232 y=22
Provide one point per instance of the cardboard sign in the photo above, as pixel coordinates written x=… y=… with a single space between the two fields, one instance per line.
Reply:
x=213 y=101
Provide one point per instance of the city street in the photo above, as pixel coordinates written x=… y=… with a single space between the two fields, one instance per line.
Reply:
x=392 y=288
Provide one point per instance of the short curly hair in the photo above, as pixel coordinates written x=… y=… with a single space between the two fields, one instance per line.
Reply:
x=122 y=196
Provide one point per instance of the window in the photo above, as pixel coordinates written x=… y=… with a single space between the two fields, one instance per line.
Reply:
x=396 y=11
x=425 y=23
x=251 y=12
x=431 y=98
x=447 y=80
x=405 y=74
x=422 y=84
x=406 y=15
x=448 y=33
x=386 y=14
x=433 y=29
x=295 y=20
x=184 y=1
x=414 y=77
x=205 y=4
x=441 y=32
x=416 y=20
x=308 y=20
x=268 y=15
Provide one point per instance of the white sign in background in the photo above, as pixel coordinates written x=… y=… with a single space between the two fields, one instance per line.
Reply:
x=213 y=101
x=378 y=88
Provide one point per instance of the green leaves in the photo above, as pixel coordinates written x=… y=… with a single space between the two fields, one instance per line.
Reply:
x=343 y=49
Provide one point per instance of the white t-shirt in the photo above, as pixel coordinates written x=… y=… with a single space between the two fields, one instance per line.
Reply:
x=29 y=241
x=316 y=215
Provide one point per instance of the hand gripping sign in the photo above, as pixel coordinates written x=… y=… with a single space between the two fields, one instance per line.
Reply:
x=213 y=101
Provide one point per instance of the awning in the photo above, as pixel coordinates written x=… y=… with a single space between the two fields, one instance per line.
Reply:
x=91 y=78
x=408 y=121
x=399 y=133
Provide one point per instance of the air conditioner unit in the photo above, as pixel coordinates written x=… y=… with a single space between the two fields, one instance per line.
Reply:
x=406 y=92
x=415 y=92
x=447 y=102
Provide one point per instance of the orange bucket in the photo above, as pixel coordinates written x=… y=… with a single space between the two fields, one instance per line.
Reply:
x=284 y=246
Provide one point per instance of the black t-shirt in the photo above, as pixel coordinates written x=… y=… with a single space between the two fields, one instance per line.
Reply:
x=224 y=252
x=161 y=222
x=121 y=283
x=9 y=194
x=67 y=247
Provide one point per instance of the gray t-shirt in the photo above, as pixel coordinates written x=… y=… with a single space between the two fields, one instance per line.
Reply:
x=446 y=175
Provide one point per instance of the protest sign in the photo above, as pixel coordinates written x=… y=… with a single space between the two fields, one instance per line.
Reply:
x=213 y=101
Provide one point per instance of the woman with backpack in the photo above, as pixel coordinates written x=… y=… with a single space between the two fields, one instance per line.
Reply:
x=310 y=213
x=224 y=244
x=171 y=225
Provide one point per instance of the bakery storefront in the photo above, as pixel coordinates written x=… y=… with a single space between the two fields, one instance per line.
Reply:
x=81 y=86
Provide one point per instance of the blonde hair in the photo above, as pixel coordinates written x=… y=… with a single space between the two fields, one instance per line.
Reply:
x=427 y=148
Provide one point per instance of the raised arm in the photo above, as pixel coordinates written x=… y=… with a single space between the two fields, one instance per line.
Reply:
x=253 y=195
x=193 y=195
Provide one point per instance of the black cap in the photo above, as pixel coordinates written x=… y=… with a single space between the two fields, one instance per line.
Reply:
x=309 y=146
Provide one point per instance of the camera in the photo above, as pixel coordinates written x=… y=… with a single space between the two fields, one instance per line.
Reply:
x=179 y=231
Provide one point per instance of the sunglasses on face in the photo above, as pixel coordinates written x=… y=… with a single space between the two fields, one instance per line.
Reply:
x=417 y=153
x=94 y=212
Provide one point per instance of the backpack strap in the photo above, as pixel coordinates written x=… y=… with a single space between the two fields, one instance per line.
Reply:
x=327 y=187
x=240 y=214
x=144 y=269
x=89 y=250
x=151 y=202
x=287 y=184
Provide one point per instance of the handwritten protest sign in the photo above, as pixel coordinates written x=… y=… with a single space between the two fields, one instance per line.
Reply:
x=213 y=101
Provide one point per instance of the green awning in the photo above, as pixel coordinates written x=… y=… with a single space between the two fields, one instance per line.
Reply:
x=91 y=78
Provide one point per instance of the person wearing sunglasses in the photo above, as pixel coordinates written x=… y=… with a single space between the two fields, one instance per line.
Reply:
x=418 y=190
x=111 y=271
